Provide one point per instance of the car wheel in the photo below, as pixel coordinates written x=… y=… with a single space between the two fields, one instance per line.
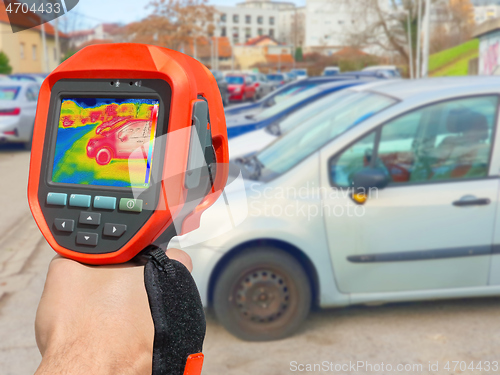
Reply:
x=103 y=156
x=263 y=294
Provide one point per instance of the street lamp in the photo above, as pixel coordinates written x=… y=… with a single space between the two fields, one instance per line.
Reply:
x=410 y=43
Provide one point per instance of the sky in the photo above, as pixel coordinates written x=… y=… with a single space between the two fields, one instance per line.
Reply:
x=91 y=12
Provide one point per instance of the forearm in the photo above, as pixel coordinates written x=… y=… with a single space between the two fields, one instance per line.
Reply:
x=94 y=357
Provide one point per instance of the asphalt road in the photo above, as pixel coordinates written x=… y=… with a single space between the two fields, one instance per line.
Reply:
x=415 y=335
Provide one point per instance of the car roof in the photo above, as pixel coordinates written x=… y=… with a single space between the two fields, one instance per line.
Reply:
x=341 y=82
x=403 y=88
x=13 y=82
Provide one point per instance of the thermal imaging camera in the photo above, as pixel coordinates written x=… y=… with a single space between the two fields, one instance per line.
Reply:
x=128 y=138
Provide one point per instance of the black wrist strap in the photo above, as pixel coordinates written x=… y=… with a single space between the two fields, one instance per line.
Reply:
x=177 y=311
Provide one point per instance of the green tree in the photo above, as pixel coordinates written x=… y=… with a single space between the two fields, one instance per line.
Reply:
x=67 y=55
x=5 y=67
x=298 y=54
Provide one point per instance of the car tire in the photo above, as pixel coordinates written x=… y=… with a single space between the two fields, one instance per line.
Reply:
x=262 y=294
x=103 y=156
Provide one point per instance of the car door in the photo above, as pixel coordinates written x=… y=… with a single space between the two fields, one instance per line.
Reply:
x=28 y=112
x=432 y=226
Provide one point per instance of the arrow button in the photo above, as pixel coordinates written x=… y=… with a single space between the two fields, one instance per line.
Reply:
x=114 y=230
x=64 y=225
x=87 y=239
x=90 y=218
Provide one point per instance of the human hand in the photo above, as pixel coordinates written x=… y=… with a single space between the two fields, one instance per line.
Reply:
x=96 y=319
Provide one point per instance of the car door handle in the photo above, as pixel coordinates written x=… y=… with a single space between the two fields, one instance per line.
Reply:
x=472 y=202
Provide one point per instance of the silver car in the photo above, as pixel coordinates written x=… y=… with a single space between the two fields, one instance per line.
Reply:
x=18 y=101
x=391 y=194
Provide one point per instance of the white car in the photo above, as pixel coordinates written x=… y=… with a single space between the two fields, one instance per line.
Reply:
x=300 y=73
x=331 y=71
x=389 y=195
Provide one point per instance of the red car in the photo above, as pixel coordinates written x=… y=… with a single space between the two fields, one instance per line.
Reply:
x=240 y=87
x=118 y=139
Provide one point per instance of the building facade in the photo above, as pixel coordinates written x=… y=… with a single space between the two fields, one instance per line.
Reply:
x=25 y=48
x=242 y=23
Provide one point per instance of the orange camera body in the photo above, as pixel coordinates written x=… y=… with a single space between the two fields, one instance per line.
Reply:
x=116 y=150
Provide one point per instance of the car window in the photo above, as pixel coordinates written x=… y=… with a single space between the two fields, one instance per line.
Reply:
x=446 y=141
x=235 y=80
x=9 y=92
x=314 y=133
x=32 y=94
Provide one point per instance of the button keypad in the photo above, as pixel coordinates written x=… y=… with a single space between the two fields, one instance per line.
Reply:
x=96 y=224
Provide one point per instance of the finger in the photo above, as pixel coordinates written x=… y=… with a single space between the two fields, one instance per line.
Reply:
x=182 y=257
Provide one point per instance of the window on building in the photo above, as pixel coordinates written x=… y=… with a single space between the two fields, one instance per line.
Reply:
x=260 y=31
x=248 y=19
x=236 y=18
x=223 y=17
x=223 y=31
x=248 y=33
x=271 y=20
x=236 y=35
x=21 y=50
x=260 y=20
x=271 y=33
x=34 y=52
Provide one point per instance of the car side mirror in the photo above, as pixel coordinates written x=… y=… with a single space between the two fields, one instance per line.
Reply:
x=269 y=103
x=366 y=180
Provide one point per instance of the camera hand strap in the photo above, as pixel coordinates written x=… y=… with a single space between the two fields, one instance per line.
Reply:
x=178 y=316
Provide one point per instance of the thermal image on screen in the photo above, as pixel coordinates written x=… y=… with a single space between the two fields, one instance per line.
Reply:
x=105 y=142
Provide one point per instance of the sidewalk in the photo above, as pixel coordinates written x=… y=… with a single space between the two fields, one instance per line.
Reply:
x=24 y=258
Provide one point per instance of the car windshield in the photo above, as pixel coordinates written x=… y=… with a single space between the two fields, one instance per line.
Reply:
x=283 y=105
x=235 y=80
x=9 y=92
x=352 y=109
x=331 y=72
x=299 y=72
x=275 y=77
x=307 y=112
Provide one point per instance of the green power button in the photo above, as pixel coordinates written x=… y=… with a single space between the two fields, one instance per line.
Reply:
x=131 y=205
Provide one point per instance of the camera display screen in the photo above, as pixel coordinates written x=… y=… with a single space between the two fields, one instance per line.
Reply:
x=105 y=142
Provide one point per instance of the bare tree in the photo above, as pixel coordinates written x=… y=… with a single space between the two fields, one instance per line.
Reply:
x=173 y=23
x=382 y=25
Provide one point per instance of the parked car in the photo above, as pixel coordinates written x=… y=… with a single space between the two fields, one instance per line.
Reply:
x=278 y=79
x=283 y=93
x=423 y=156
x=249 y=143
x=262 y=85
x=221 y=82
x=18 y=101
x=391 y=71
x=238 y=125
x=240 y=87
x=35 y=77
x=118 y=139
x=300 y=73
x=331 y=71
